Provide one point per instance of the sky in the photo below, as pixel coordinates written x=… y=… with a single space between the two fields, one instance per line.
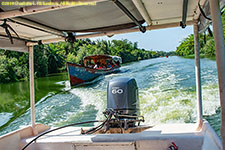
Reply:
x=163 y=39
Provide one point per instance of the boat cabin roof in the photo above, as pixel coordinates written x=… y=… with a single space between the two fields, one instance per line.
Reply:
x=49 y=21
x=98 y=57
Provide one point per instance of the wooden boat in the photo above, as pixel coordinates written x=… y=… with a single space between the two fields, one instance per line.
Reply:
x=79 y=74
x=54 y=23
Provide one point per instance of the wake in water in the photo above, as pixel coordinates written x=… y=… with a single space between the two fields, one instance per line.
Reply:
x=167 y=90
x=167 y=94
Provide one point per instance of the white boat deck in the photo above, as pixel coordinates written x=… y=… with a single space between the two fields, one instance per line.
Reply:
x=72 y=134
x=160 y=137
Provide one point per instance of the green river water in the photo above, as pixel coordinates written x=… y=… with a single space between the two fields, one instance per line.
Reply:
x=167 y=94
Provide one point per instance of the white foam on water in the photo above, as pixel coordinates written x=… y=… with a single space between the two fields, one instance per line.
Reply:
x=168 y=101
x=93 y=97
x=175 y=106
x=210 y=97
x=159 y=106
x=4 y=118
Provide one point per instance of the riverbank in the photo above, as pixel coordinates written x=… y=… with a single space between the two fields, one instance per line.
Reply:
x=52 y=58
x=201 y=56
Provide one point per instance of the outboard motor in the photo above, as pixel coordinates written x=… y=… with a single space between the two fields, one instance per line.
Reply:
x=122 y=113
x=122 y=98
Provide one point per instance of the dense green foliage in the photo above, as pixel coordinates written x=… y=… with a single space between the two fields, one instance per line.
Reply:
x=52 y=58
x=13 y=66
x=207 y=48
x=123 y=48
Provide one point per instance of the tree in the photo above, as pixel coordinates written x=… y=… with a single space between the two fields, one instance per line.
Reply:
x=186 y=47
x=40 y=61
x=55 y=58
x=52 y=58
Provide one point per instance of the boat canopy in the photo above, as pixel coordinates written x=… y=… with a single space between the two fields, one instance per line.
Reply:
x=102 y=59
x=117 y=59
x=98 y=57
x=48 y=21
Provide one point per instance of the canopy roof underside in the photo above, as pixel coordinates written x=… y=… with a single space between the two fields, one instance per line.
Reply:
x=53 y=23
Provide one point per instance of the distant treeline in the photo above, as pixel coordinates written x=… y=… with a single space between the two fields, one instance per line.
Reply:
x=52 y=58
x=207 y=48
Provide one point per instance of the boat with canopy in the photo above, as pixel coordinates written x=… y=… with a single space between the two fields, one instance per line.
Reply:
x=23 y=26
x=94 y=66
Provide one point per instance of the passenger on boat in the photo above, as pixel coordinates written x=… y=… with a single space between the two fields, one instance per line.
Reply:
x=101 y=66
x=97 y=65
x=118 y=63
x=91 y=65
x=109 y=65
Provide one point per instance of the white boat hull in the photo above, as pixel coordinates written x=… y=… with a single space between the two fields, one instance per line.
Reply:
x=160 y=137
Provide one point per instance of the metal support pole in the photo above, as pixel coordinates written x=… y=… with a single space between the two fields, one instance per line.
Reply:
x=220 y=59
x=128 y=13
x=32 y=98
x=141 y=8
x=198 y=76
x=184 y=14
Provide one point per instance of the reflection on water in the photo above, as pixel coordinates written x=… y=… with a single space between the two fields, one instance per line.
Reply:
x=166 y=92
x=15 y=97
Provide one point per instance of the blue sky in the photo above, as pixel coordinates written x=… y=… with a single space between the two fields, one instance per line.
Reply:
x=163 y=39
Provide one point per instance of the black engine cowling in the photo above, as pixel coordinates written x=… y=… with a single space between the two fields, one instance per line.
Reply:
x=122 y=96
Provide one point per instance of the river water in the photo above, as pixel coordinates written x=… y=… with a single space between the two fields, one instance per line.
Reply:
x=167 y=94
